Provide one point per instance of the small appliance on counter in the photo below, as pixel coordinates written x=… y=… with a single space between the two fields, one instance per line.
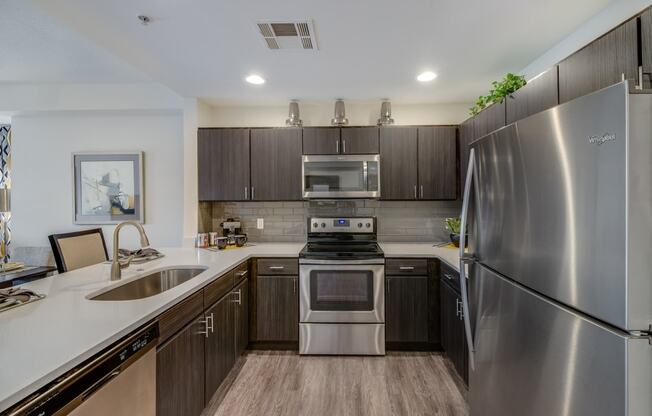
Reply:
x=233 y=237
x=232 y=228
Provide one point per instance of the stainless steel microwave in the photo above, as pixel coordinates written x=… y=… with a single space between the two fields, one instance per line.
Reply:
x=341 y=176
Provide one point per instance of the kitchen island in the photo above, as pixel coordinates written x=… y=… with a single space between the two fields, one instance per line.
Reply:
x=45 y=339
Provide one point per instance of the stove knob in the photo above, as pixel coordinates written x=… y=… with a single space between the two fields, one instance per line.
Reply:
x=368 y=225
x=359 y=225
x=315 y=225
x=323 y=225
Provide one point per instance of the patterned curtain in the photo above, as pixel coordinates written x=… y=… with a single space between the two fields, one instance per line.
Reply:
x=5 y=182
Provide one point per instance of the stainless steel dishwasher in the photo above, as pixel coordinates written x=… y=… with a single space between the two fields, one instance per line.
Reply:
x=121 y=380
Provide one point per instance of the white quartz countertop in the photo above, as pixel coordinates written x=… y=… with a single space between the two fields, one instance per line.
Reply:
x=45 y=339
x=446 y=254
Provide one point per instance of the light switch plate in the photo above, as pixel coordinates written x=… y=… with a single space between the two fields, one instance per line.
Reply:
x=260 y=223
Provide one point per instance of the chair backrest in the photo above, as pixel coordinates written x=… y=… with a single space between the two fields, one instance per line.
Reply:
x=79 y=249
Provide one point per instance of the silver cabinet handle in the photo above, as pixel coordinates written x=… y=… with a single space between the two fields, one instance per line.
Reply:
x=243 y=273
x=460 y=309
x=239 y=298
x=212 y=323
x=415 y=192
x=253 y=193
x=388 y=286
x=343 y=145
x=246 y=193
x=448 y=276
x=207 y=325
x=276 y=267
x=337 y=146
x=294 y=285
x=406 y=268
x=640 y=78
x=421 y=191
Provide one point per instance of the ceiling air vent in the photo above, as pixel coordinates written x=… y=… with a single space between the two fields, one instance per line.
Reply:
x=288 y=35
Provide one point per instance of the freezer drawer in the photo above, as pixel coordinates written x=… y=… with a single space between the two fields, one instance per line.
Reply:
x=534 y=357
x=563 y=204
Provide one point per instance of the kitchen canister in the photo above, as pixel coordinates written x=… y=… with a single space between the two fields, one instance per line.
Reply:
x=202 y=240
x=212 y=238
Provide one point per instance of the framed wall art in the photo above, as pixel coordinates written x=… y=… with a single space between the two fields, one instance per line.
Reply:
x=108 y=187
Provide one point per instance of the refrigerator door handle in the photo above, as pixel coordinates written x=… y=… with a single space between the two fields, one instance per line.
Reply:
x=465 y=257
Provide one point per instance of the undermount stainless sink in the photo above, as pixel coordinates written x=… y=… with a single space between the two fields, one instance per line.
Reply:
x=151 y=284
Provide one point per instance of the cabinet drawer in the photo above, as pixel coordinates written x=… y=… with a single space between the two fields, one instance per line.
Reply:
x=450 y=275
x=407 y=267
x=278 y=267
x=241 y=272
x=220 y=287
x=178 y=316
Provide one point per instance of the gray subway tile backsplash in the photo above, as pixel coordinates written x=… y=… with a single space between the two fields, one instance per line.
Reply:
x=398 y=221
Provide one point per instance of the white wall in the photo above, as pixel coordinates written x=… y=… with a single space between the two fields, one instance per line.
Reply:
x=320 y=114
x=613 y=15
x=42 y=175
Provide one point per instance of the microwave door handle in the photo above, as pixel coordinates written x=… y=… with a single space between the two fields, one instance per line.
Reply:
x=365 y=175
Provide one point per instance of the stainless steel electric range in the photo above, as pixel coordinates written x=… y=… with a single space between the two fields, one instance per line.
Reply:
x=341 y=282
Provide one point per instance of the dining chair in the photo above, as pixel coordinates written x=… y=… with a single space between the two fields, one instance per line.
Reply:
x=78 y=249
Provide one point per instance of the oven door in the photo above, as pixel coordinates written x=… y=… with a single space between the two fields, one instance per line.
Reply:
x=346 y=176
x=342 y=293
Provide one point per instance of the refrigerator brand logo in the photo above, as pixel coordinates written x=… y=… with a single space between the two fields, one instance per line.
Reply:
x=607 y=137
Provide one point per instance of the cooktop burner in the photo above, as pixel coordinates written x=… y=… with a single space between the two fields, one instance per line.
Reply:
x=351 y=238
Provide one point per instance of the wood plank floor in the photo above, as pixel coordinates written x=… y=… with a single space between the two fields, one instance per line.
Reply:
x=283 y=383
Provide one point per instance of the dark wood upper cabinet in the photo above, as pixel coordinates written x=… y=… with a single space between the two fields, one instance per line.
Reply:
x=601 y=63
x=467 y=134
x=321 y=140
x=437 y=162
x=646 y=47
x=277 y=314
x=407 y=309
x=220 y=344
x=398 y=163
x=180 y=372
x=359 y=140
x=223 y=164
x=490 y=119
x=537 y=95
x=276 y=164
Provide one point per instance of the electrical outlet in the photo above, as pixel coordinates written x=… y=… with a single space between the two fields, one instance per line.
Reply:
x=260 y=224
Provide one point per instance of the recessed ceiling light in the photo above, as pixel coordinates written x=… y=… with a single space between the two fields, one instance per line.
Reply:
x=255 y=79
x=426 y=76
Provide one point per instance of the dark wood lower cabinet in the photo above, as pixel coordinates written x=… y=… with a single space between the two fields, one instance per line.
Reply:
x=180 y=372
x=220 y=343
x=194 y=362
x=277 y=304
x=453 y=338
x=241 y=309
x=406 y=309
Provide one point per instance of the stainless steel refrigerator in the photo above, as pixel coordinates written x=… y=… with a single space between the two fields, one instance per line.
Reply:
x=559 y=266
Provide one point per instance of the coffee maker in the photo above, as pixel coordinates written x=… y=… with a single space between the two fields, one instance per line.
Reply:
x=230 y=228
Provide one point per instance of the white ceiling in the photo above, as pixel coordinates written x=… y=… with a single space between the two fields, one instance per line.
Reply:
x=368 y=49
x=36 y=48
